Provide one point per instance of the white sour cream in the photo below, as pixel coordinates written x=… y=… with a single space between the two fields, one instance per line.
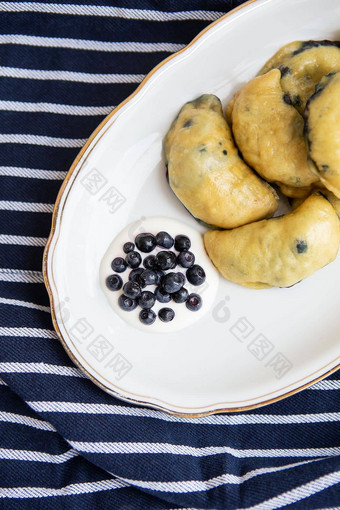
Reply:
x=183 y=316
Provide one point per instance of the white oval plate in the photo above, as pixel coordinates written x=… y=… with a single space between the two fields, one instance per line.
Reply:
x=253 y=347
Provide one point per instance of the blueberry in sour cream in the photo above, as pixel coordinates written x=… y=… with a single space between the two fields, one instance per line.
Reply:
x=180 y=296
x=149 y=277
x=132 y=290
x=147 y=316
x=172 y=282
x=166 y=314
x=196 y=275
x=133 y=276
x=182 y=243
x=127 y=304
x=118 y=264
x=114 y=282
x=162 y=296
x=145 y=242
x=149 y=262
x=146 y=299
x=165 y=260
x=186 y=259
x=164 y=240
x=128 y=247
x=194 y=302
x=133 y=259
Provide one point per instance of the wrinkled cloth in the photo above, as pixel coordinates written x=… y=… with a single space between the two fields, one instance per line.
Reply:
x=64 y=443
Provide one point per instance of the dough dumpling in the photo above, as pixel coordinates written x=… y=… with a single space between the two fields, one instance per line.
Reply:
x=323 y=132
x=206 y=172
x=332 y=199
x=302 y=65
x=269 y=134
x=280 y=251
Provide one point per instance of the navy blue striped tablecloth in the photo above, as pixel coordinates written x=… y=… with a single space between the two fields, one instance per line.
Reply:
x=65 y=444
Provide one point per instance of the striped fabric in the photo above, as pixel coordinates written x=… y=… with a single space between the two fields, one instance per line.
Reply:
x=65 y=444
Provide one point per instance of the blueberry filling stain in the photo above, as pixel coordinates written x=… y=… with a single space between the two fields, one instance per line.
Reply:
x=284 y=70
x=301 y=246
x=292 y=101
x=188 y=123
x=324 y=168
x=287 y=99
x=157 y=271
x=307 y=45
x=225 y=152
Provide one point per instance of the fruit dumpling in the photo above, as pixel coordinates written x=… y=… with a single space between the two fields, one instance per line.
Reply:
x=206 y=172
x=332 y=199
x=302 y=65
x=322 y=131
x=269 y=133
x=278 y=252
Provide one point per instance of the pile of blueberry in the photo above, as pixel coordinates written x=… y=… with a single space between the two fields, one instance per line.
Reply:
x=158 y=270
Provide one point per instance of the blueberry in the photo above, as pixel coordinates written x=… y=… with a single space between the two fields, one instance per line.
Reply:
x=165 y=260
x=135 y=273
x=145 y=242
x=172 y=282
x=182 y=277
x=196 y=275
x=118 y=264
x=132 y=290
x=126 y=303
x=159 y=275
x=182 y=243
x=133 y=259
x=186 y=259
x=114 y=282
x=165 y=240
x=166 y=314
x=149 y=277
x=162 y=296
x=147 y=316
x=149 y=262
x=194 y=302
x=180 y=296
x=128 y=247
x=146 y=299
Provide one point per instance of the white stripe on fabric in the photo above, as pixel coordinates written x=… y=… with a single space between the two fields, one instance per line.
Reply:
x=39 y=74
x=241 y=419
x=35 y=456
x=29 y=332
x=68 y=490
x=26 y=304
x=9 y=205
x=33 y=173
x=23 y=240
x=326 y=385
x=183 y=486
x=179 y=449
x=87 y=44
x=48 y=141
x=2 y=383
x=102 y=10
x=20 y=275
x=40 y=368
x=21 y=419
x=61 y=109
x=299 y=493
